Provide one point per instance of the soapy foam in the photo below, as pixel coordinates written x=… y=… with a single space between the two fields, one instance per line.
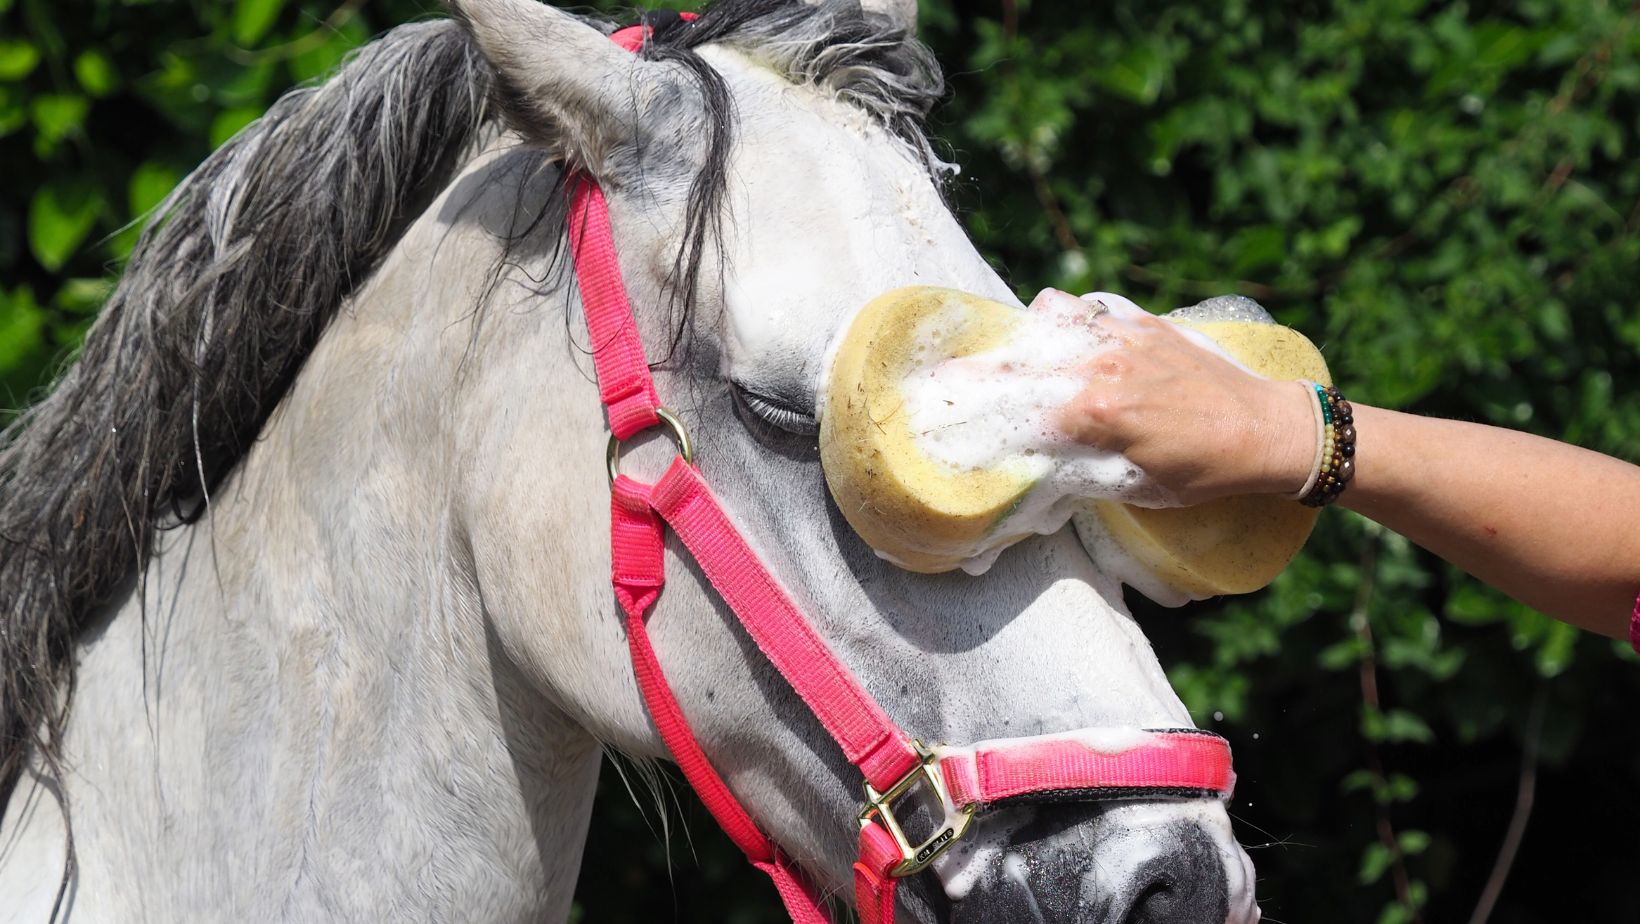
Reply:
x=996 y=410
x=1111 y=558
x=971 y=858
x=1108 y=555
x=1019 y=873
x=1107 y=741
x=968 y=860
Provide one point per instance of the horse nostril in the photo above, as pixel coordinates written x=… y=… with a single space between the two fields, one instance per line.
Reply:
x=1183 y=885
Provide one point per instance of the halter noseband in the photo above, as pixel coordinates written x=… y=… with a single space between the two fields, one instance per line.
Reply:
x=1082 y=765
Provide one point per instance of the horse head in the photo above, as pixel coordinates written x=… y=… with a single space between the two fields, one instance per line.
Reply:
x=316 y=530
x=767 y=176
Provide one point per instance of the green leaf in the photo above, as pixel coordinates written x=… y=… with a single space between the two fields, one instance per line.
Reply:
x=253 y=18
x=228 y=123
x=1357 y=780
x=1400 y=788
x=59 y=218
x=320 y=59
x=1138 y=75
x=96 y=73
x=1555 y=652
x=1413 y=842
x=17 y=59
x=1374 y=861
x=20 y=328
x=13 y=114
x=82 y=296
x=1401 y=725
x=1503 y=46
x=56 y=115
x=1343 y=653
x=149 y=185
x=1257 y=248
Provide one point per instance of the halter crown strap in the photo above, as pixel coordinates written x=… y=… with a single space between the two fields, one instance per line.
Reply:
x=624 y=383
x=1084 y=765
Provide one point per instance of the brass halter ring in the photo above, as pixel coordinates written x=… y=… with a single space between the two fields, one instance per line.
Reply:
x=679 y=434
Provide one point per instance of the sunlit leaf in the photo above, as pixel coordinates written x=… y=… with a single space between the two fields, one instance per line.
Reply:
x=20 y=327
x=56 y=115
x=229 y=122
x=253 y=18
x=95 y=72
x=150 y=183
x=1374 y=861
x=59 y=218
x=17 y=58
x=82 y=296
x=1137 y=75
x=322 y=57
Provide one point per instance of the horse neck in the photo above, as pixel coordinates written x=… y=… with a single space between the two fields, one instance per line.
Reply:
x=303 y=706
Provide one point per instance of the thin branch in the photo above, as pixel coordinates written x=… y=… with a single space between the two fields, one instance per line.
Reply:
x=1209 y=287
x=1049 y=201
x=302 y=44
x=1040 y=185
x=1362 y=625
x=1525 y=793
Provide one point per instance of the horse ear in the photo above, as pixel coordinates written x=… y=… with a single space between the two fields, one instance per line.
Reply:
x=903 y=13
x=562 y=83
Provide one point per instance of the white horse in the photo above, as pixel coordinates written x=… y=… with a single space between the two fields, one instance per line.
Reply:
x=372 y=667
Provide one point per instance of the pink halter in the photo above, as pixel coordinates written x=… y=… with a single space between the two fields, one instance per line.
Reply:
x=1167 y=763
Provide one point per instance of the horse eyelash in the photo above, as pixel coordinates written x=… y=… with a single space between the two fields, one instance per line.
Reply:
x=776 y=414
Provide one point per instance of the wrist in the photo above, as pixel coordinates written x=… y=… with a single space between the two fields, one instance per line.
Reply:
x=1288 y=442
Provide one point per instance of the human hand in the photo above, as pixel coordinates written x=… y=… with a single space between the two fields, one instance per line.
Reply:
x=1195 y=422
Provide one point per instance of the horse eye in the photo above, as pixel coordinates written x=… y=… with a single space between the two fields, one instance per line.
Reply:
x=776 y=414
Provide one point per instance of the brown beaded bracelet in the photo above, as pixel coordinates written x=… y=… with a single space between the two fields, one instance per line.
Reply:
x=1336 y=460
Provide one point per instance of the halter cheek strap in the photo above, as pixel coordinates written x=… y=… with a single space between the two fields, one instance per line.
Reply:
x=1088 y=765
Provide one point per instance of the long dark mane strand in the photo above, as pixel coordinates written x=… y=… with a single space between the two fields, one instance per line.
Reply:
x=228 y=289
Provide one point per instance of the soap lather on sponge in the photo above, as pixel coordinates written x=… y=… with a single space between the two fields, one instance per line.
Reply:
x=939 y=443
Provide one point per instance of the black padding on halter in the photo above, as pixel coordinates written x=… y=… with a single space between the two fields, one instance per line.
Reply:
x=1185 y=731
x=1105 y=794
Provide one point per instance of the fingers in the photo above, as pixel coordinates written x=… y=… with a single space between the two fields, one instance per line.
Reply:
x=1093 y=418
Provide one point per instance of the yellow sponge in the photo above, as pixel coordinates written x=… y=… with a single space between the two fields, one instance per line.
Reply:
x=1232 y=545
x=916 y=512
x=929 y=515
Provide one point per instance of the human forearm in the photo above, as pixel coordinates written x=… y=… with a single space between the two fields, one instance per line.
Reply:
x=1554 y=526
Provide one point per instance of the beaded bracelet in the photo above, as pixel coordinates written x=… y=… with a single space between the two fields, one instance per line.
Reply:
x=1334 y=463
x=1634 y=627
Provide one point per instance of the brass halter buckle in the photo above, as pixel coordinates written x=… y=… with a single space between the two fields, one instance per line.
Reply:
x=675 y=428
x=914 y=858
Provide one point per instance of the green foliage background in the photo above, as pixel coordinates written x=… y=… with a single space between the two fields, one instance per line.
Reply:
x=1444 y=195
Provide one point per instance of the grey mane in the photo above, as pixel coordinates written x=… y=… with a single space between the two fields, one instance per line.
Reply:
x=239 y=271
x=226 y=293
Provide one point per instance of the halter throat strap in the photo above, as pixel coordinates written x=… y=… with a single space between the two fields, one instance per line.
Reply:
x=1086 y=765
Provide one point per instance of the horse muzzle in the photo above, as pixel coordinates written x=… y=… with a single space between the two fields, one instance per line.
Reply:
x=940 y=443
x=1086 y=864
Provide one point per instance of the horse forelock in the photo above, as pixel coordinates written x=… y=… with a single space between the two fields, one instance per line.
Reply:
x=864 y=58
x=238 y=272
